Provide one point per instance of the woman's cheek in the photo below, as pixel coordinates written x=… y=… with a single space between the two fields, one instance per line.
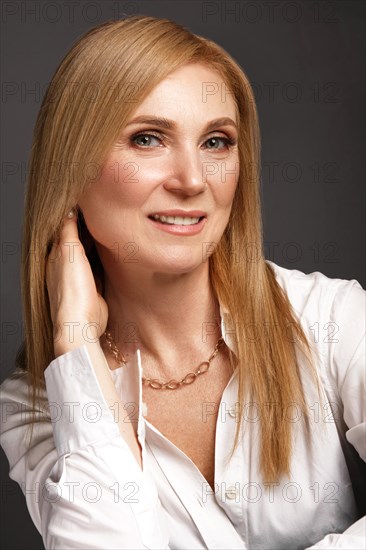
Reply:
x=223 y=177
x=117 y=175
x=127 y=181
x=110 y=230
x=224 y=192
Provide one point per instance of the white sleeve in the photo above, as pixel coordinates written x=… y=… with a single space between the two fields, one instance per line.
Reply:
x=353 y=538
x=346 y=357
x=83 y=486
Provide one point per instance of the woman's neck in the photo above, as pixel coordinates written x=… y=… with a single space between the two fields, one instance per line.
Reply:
x=173 y=319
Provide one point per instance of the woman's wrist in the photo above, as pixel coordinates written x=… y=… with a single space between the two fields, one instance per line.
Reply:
x=74 y=335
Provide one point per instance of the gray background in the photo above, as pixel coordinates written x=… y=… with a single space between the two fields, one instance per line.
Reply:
x=305 y=61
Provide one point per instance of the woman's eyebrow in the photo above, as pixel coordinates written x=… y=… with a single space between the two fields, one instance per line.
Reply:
x=171 y=125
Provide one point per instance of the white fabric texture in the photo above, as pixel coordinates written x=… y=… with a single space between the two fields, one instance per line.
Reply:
x=85 y=490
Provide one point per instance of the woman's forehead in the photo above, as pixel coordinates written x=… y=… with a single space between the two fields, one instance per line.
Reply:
x=193 y=90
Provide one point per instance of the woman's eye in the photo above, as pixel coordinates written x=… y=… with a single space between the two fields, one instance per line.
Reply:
x=218 y=142
x=152 y=140
x=145 y=140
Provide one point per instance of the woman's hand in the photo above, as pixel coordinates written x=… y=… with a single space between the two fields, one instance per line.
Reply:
x=78 y=311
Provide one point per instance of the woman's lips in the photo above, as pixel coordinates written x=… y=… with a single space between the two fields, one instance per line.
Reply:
x=177 y=229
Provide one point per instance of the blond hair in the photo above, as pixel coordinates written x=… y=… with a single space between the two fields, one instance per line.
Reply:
x=96 y=87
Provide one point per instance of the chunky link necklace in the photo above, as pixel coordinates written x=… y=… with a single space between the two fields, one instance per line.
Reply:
x=154 y=382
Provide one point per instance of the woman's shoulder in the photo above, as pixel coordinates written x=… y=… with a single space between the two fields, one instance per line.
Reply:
x=317 y=294
x=332 y=314
x=16 y=384
x=16 y=393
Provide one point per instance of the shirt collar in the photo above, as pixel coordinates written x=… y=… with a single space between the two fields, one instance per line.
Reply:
x=227 y=328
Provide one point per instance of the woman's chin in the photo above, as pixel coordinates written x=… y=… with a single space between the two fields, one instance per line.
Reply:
x=176 y=263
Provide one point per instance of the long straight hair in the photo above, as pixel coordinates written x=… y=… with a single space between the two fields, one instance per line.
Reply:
x=96 y=87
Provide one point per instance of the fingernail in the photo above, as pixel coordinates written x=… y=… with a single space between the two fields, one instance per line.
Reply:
x=71 y=213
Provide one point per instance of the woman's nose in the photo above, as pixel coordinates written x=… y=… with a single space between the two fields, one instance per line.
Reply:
x=186 y=175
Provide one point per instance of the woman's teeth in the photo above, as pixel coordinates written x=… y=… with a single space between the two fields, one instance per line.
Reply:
x=176 y=220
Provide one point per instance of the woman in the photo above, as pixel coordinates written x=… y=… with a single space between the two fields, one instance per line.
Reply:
x=180 y=396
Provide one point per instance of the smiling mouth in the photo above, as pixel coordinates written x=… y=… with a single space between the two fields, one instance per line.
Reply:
x=176 y=220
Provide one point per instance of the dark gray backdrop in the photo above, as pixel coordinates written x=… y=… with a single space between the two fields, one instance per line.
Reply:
x=305 y=60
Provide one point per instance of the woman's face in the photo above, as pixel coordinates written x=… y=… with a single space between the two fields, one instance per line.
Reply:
x=166 y=189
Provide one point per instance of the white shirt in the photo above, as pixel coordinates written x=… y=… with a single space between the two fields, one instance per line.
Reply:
x=85 y=490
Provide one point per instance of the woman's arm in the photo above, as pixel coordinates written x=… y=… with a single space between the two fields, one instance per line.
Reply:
x=82 y=474
x=108 y=390
x=84 y=487
x=345 y=354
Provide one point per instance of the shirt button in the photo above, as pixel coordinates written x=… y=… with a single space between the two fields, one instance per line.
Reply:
x=232 y=411
x=231 y=492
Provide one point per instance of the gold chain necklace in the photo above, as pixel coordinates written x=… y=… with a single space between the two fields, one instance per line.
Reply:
x=154 y=382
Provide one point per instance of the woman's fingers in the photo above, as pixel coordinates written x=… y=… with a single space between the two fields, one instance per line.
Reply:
x=72 y=288
x=69 y=228
x=68 y=232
